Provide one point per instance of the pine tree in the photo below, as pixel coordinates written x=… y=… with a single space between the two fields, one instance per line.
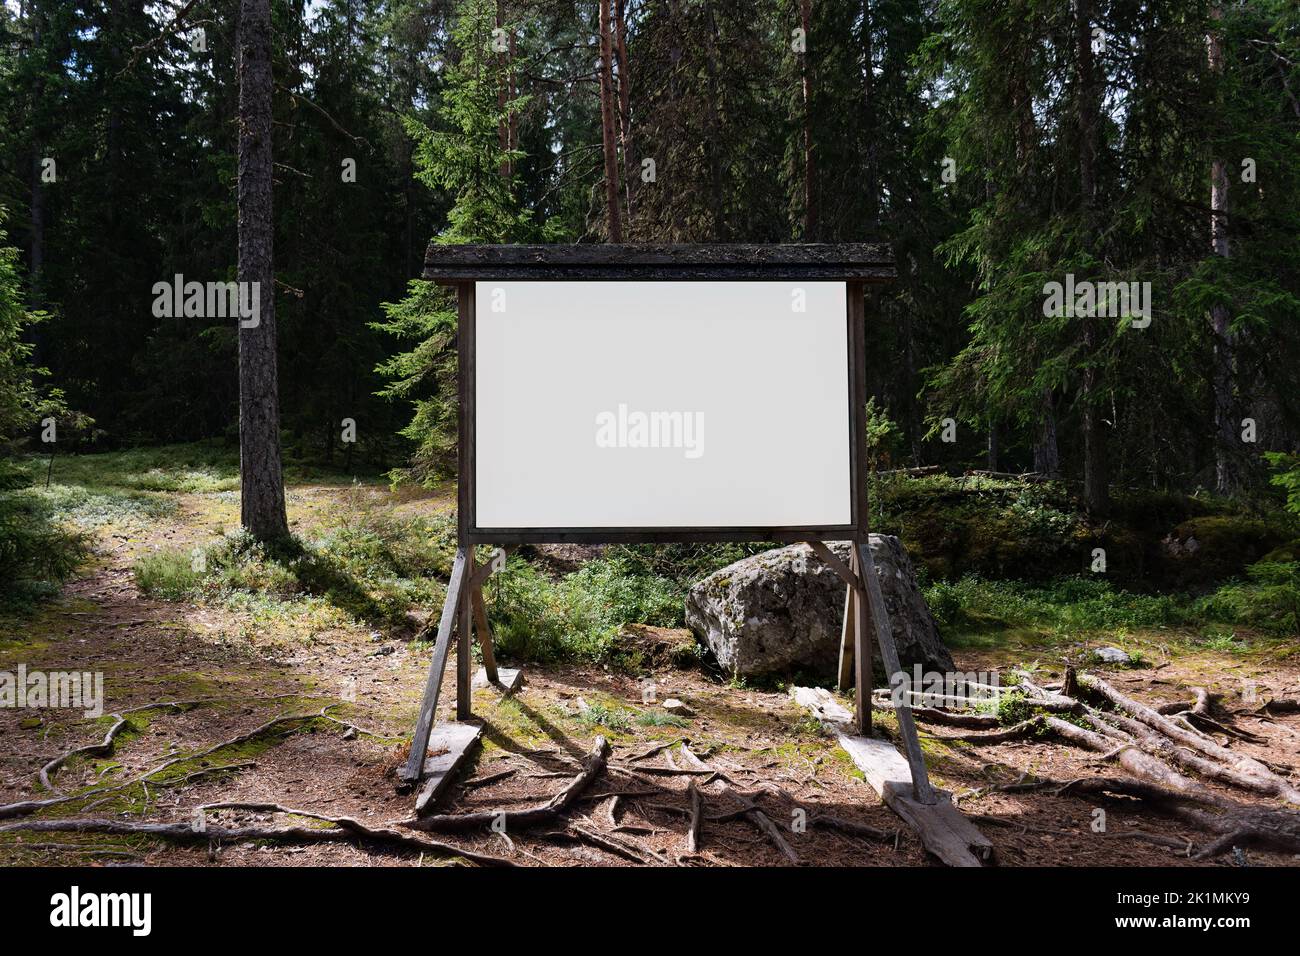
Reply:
x=463 y=156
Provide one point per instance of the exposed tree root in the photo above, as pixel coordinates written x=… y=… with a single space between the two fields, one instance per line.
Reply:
x=1183 y=846
x=344 y=830
x=1247 y=772
x=1141 y=741
x=853 y=828
x=26 y=807
x=593 y=766
x=944 y=718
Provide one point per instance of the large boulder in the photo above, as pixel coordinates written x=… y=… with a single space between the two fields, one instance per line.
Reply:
x=783 y=610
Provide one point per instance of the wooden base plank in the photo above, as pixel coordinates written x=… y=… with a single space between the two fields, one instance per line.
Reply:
x=509 y=679
x=943 y=830
x=449 y=747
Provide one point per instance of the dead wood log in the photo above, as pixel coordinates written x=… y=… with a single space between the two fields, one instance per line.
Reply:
x=593 y=766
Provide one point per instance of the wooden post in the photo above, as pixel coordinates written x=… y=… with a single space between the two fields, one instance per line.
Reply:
x=484 y=632
x=465 y=645
x=844 y=676
x=862 y=656
x=856 y=603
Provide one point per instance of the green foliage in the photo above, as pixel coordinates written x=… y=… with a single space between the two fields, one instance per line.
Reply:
x=1012 y=709
x=535 y=616
x=167 y=574
x=884 y=437
x=38 y=550
x=1286 y=477
x=600 y=715
x=1268 y=600
x=464 y=157
x=661 y=718
x=1069 y=605
x=18 y=395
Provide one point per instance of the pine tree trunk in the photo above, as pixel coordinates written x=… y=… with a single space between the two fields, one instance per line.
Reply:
x=613 y=220
x=1047 y=457
x=1096 y=480
x=36 y=263
x=809 y=162
x=624 y=107
x=871 y=157
x=1226 y=477
x=261 y=481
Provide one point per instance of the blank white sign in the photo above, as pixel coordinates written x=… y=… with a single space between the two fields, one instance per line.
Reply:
x=661 y=405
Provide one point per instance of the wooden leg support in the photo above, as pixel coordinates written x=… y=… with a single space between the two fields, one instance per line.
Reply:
x=875 y=601
x=863 y=663
x=465 y=645
x=433 y=686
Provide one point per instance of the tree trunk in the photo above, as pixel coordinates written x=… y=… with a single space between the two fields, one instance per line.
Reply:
x=612 y=218
x=37 y=260
x=624 y=105
x=506 y=128
x=1047 y=457
x=1226 y=477
x=809 y=163
x=261 y=481
x=871 y=155
x=1096 y=481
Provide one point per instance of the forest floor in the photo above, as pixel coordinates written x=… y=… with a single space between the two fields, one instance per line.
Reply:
x=245 y=666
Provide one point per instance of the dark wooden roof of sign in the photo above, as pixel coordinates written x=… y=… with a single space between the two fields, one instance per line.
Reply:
x=865 y=262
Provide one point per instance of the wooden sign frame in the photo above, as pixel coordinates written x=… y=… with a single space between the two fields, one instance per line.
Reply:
x=855 y=264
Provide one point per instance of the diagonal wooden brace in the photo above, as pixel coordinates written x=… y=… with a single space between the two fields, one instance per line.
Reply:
x=433 y=686
x=875 y=600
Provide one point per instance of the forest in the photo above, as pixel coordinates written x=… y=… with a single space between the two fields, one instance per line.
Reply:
x=1082 y=424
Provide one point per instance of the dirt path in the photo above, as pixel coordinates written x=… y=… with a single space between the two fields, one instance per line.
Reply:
x=152 y=651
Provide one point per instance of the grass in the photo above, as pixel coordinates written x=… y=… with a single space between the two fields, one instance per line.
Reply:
x=661 y=718
x=975 y=612
x=368 y=566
